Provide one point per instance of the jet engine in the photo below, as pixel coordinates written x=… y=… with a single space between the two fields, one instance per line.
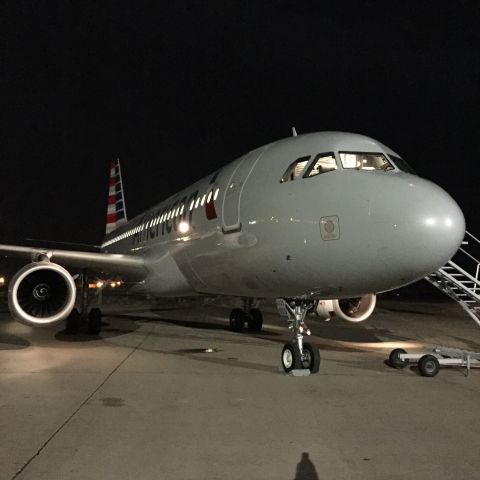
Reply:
x=355 y=309
x=41 y=294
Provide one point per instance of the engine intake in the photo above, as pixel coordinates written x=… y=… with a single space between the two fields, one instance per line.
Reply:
x=351 y=309
x=41 y=294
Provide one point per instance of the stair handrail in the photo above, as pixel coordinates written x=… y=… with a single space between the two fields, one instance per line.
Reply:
x=465 y=307
x=460 y=284
x=449 y=279
x=445 y=288
x=472 y=236
x=469 y=255
x=476 y=276
x=477 y=271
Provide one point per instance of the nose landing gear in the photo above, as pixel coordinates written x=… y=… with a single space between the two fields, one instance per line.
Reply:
x=297 y=354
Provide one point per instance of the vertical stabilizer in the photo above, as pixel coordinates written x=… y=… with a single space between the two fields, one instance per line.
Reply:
x=116 y=211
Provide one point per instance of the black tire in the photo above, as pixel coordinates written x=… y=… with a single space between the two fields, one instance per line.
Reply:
x=429 y=365
x=396 y=361
x=73 y=323
x=237 y=320
x=291 y=358
x=255 y=320
x=311 y=358
x=94 y=321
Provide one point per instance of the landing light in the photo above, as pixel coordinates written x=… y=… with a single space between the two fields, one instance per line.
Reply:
x=99 y=284
x=183 y=227
x=2 y=281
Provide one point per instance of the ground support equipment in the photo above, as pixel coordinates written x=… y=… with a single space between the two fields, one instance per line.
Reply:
x=429 y=363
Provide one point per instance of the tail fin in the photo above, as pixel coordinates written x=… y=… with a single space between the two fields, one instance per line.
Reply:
x=116 y=211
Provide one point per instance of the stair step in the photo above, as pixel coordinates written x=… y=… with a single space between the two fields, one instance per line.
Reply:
x=458 y=284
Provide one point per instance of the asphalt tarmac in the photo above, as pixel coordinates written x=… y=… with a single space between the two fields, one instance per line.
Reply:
x=168 y=392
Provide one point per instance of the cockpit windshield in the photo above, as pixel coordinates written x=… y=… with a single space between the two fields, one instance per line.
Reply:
x=402 y=164
x=295 y=169
x=365 y=161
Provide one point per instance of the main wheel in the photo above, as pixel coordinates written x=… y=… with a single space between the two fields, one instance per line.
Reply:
x=311 y=357
x=73 y=323
x=237 y=320
x=291 y=358
x=255 y=320
x=94 y=321
x=429 y=365
x=395 y=360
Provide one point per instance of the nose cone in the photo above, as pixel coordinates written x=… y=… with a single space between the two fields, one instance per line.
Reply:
x=438 y=222
x=425 y=226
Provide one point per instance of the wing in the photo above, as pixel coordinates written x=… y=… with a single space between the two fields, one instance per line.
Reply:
x=130 y=266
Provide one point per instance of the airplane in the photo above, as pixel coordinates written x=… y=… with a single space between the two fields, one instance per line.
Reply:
x=321 y=222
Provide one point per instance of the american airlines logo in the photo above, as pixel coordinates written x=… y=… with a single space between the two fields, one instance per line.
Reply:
x=168 y=219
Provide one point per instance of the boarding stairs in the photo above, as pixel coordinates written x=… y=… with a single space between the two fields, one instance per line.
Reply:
x=459 y=278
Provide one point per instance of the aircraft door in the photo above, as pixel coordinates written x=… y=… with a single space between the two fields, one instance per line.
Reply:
x=231 y=220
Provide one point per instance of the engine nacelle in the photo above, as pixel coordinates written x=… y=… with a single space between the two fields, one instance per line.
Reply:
x=41 y=294
x=351 y=309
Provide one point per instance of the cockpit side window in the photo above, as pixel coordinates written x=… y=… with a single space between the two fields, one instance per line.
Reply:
x=365 y=161
x=402 y=164
x=295 y=169
x=324 y=162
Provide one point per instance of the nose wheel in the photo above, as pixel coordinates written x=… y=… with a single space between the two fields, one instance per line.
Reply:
x=297 y=354
x=292 y=359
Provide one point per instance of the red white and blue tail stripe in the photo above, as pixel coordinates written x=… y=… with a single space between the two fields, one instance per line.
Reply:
x=116 y=211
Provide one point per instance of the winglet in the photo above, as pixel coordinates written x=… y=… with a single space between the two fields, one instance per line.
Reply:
x=116 y=210
x=294 y=131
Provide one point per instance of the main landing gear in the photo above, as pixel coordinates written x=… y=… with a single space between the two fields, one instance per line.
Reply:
x=297 y=354
x=250 y=316
x=92 y=318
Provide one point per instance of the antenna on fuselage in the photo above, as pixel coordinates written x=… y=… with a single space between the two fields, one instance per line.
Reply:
x=294 y=131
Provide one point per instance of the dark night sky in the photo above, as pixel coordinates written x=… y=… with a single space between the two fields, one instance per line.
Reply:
x=179 y=88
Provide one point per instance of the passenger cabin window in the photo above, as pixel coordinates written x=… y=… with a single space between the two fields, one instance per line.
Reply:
x=324 y=162
x=365 y=161
x=295 y=169
x=401 y=164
